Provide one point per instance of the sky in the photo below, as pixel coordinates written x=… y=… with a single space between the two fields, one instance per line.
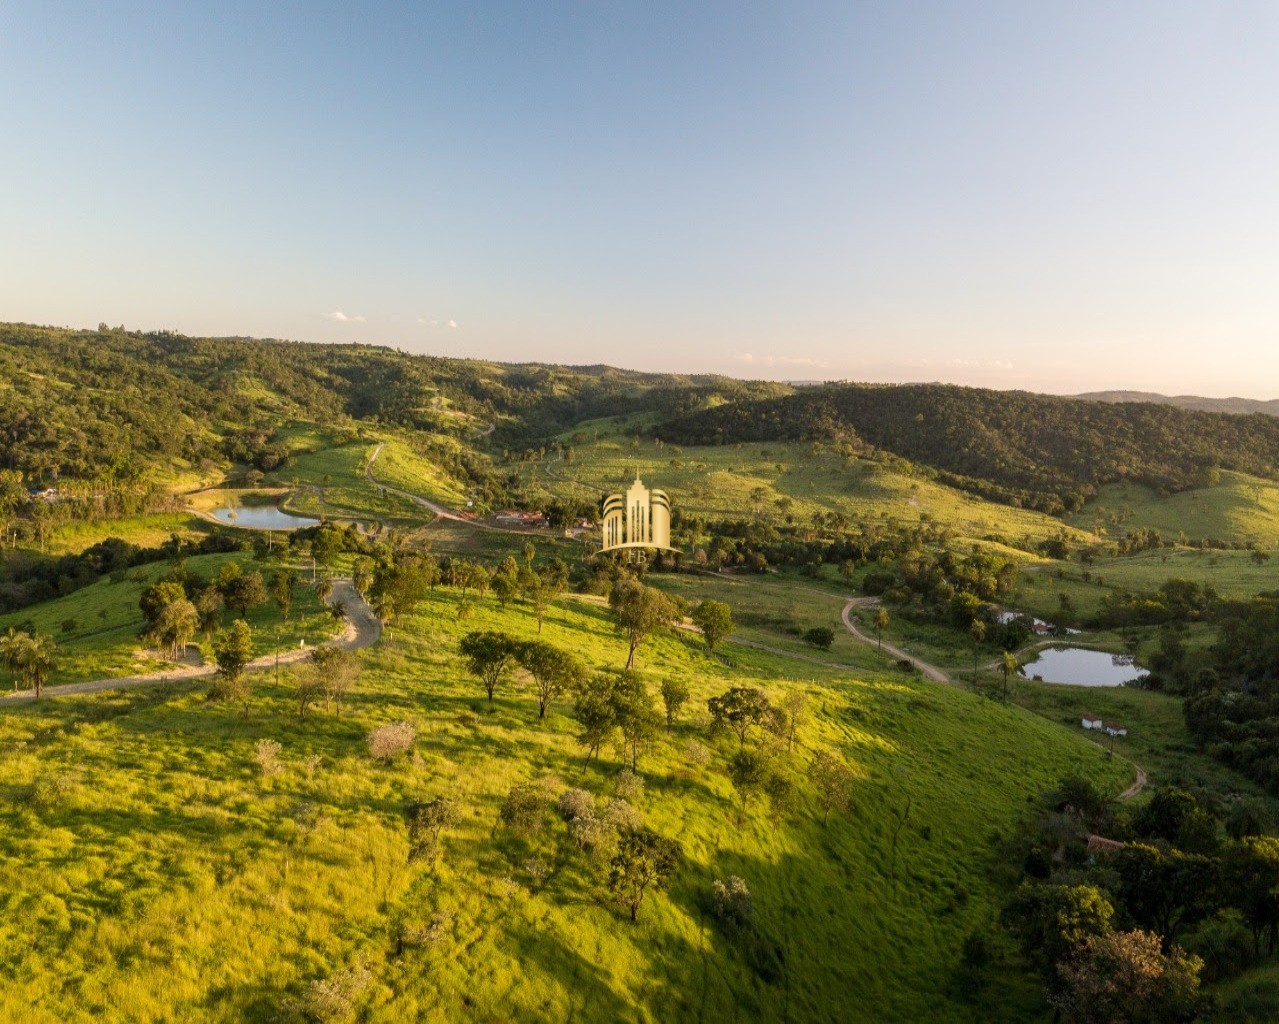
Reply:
x=1056 y=197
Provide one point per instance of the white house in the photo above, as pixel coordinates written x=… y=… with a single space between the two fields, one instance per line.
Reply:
x=1090 y=721
x=1114 y=729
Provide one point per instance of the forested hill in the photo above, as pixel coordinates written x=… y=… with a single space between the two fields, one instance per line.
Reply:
x=1242 y=406
x=111 y=403
x=1038 y=450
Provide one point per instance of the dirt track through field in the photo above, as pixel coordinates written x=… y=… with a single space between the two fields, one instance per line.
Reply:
x=362 y=630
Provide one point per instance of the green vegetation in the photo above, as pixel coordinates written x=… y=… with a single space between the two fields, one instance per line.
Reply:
x=271 y=884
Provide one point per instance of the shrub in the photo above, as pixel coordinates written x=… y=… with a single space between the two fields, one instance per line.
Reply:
x=622 y=816
x=575 y=803
x=629 y=786
x=731 y=903
x=820 y=637
x=387 y=742
x=333 y=999
x=267 y=755
x=524 y=810
x=49 y=790
x=696 y=754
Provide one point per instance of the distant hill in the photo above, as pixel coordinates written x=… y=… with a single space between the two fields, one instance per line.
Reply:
x=1237 y=406
x=1040 y=451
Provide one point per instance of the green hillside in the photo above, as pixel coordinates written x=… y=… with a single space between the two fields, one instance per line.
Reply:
x=266 y=884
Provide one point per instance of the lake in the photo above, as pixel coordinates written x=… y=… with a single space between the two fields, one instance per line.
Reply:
x=1081 y=667
x=262 y=517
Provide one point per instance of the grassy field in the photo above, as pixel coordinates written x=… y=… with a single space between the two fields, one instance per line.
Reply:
x=105 y=621
x=152 y=872
x=145 y=531
x=718 y=481
x=1239 y=508
x=400 y=466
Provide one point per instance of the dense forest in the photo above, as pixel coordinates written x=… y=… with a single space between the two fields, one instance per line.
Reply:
x=1035 y=450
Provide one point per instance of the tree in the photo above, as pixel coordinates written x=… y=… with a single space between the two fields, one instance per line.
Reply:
x=789 y=716
x=176 y=624
x=233 y=649
x=977 y=630
x=834 y=781
x=1124 y=977
x=644 y=860
x=505 y=581
x=881 y=624
x=30 y=656
x=739 y=709
x=156 y=597
x=1052 y=920
x=1252 y=884
x=1165 y=890
x=426 y=821
x=596 y=713
x=362 y=574
x=324 y=588
x=208 y=607
x=553 y=670
x=674 y=697
x=715 y=620
x=244 y=591
x=335 y=671
x=329 y=542
x=749 y=772
x=635 y=715
x=1009 y=665
x=282 y=584
x=639 y=611
x=488 y=653
x=551 y=579
x=821 y=637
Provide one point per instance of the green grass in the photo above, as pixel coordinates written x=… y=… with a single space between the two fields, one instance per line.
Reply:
x=1239 y=508
x=145 y=531
x=400 y=466
x=718 y=481
x=104 y=641
x=170 y=881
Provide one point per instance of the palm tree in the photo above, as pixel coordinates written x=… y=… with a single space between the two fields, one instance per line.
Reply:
x=35 y=660
x=978 y=632
x=10 y=646
x=881 y=624
x=1009 y=665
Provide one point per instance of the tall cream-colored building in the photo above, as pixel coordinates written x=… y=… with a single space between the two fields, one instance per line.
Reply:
x=640 y=518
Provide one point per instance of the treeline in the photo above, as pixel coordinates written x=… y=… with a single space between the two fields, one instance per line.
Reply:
x=1124 y=911
x=1036 y=451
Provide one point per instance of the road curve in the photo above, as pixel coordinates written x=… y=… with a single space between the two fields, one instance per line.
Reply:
x=362 y=630
x=930 y=671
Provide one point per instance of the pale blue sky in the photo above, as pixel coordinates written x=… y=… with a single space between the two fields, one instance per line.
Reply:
x=1052 y=196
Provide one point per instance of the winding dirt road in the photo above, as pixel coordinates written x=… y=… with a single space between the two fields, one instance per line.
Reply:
x=930 y=671
x=362 y=630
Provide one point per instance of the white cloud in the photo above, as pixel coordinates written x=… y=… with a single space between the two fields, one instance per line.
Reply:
x=452 y=323
x=436 y=323
x=754 y=360
x=340 y=317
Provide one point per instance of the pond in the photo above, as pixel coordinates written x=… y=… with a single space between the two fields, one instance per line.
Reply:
x=262 y=517
x=1082 y=667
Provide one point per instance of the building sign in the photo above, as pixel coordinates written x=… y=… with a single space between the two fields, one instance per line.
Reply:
x=640 y=518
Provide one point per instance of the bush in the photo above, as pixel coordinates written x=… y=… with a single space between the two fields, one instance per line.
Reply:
x=621 y=816
x=267 y=755
x=525 y=808
x=332 y=1000
x=575 y=803
x=629 y=786
x=387 y=742
x=731 y=903
x=49 y=790
x=696 y=755
x=820 y=637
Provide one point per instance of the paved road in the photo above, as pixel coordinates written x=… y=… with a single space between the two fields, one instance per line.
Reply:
x=362 y=630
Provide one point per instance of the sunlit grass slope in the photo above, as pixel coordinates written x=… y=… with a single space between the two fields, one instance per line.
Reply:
x=155 y=874
x=1238 y=508
x=718 y=481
